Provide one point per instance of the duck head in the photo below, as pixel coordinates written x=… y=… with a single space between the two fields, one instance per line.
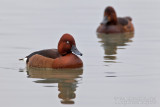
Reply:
x=110 y=16
x=67 y=45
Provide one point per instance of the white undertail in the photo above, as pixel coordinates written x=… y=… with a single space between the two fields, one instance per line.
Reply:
x=23 y=59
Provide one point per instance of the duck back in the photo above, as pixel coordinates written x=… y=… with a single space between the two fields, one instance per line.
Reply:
x=49 y=53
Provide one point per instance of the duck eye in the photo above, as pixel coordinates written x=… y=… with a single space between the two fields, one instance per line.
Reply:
x=68 y=42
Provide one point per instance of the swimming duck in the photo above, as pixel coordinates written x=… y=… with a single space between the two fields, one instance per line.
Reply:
x=113 y=24
x=62 y=57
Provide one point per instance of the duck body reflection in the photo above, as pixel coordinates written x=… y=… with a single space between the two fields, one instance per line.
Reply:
x=67 y=80
x=110 y=43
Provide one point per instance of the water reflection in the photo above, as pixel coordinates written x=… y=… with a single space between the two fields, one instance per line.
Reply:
x=110 y=43
x=67 y=80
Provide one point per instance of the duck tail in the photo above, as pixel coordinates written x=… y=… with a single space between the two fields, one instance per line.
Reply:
x=129 y=18
x=23 y=59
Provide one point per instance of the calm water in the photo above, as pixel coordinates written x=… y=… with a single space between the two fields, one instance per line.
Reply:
x=119 y=70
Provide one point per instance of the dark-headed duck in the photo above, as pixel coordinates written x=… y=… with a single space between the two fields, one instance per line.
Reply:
x=113 y=24
x=57 y=58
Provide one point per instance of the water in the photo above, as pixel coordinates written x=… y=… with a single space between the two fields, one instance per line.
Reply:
x=119 y=70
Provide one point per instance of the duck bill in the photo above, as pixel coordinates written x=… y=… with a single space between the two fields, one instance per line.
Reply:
x=75 y=50
x=105 y=20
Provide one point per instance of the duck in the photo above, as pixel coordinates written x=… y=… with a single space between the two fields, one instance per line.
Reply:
x=113 y=24
x=63 y=57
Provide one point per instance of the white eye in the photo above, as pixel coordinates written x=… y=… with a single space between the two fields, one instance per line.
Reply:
x=68 y=42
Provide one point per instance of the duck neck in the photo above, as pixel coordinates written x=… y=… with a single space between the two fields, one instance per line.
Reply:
x=64 y=54
x=113 y=19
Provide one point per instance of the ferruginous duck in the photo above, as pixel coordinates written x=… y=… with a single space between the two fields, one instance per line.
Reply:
x=113 y=24
x=63 y=57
